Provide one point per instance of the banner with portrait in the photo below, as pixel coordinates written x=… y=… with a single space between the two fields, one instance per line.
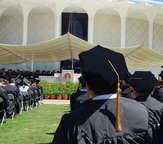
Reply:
x=67 y=75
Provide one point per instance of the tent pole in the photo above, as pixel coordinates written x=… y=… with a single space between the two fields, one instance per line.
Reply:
x=71 y=55
x=72 y=63
x=32 y=65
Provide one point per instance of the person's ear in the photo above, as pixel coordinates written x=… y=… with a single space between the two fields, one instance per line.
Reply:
x=87 y=86
x=90 y=91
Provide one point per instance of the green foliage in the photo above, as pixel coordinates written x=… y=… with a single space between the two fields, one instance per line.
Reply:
x=52 y=88
x=36 y=126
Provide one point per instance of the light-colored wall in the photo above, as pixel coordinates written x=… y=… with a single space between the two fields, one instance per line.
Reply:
x=136 y=32
x=11 y=29
x=107 y=30
x=48 y=66
x=158 y=38
x=24 y=66
x=40 y=27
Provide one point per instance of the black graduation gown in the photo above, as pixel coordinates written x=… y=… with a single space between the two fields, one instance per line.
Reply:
x=158 y=93
x=76 y=100
x=156 y=111
x=150 y=102
x=11 y=89
x=81 y=100
x=94 y=123
x=3 y=95
x=161 y=131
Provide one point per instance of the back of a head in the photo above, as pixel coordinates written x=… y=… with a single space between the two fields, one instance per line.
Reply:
x=1 y=79
x=161 y=75
x=82 y=81
x=12 y=80
x=143 y=81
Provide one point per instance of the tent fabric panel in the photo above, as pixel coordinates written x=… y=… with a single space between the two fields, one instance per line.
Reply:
x=69 y=46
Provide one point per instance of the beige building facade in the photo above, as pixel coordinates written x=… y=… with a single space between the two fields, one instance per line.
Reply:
x=110 y=23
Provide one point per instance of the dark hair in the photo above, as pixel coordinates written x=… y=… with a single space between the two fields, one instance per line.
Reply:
x=146 y=91
x=98 y=84
x=101 y=89
x=82 y=81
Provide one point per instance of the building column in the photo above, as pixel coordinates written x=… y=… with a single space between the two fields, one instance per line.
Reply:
x=26 y=10
x=150 y=43
x=123 y=31
x=25 y=27
x=90 y=27
x=150 y=18
x=57 y=27
x=122 y=11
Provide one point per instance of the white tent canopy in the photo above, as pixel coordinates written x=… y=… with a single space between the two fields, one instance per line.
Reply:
x=62 y=48
x=140 y=57
x=68 y=46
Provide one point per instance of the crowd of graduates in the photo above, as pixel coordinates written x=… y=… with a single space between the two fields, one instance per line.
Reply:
x=129 y=88
x=111 y=105
x=19 y=91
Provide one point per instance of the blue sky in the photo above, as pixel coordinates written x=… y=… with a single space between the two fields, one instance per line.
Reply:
x=158 y=0
x=161 y=1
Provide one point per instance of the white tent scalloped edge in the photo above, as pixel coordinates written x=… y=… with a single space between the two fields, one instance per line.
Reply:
x=69 y=46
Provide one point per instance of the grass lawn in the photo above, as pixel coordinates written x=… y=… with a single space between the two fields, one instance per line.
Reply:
x=36 y=126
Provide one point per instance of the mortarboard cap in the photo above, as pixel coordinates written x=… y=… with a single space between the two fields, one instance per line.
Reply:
x=161 y=74
x=18 y=81
x=26 y=81
x=11 y=80
x=143 y=81
x=127 y=77
x=31 y=78
x=1 y=78
x=37 y=80
x=94 y=63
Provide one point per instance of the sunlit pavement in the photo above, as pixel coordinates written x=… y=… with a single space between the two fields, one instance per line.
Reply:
x=46 y=101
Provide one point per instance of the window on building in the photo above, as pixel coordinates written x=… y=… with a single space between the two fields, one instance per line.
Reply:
x=76 y=24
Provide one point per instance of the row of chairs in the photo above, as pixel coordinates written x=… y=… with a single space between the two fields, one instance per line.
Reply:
x=2 y=111
x=15 y=106
x=10 y=109
x=31 y=100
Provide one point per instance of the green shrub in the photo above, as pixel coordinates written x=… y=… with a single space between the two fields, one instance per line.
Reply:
x=64 y=88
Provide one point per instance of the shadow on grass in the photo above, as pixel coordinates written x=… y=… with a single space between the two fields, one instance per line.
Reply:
x=52 y=133
x=45 y=143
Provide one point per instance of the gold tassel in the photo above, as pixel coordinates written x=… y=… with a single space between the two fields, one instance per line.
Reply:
x=118 y=124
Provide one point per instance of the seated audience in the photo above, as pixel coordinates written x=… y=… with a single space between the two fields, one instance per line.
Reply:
x=107 y=118
x=143 y=83
x=80 y=95
x=158 y=91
